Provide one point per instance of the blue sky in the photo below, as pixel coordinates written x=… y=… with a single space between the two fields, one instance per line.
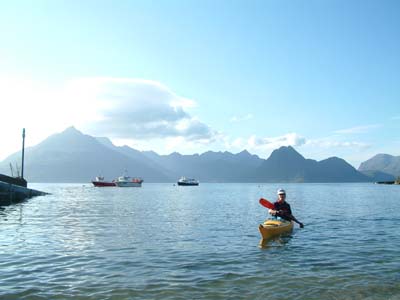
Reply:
x=192 y=76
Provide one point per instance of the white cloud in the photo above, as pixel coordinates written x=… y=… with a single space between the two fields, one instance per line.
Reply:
x=119 y=108
x=183 y=103
x=144 y=114
x=330 y=143
x=246 y=117
x=140 y=109
x=314 y=148
x=261 y=146
x=352 y=151
x=358 y=129
x=238 y=143
x=290 y=139
x=41 y=109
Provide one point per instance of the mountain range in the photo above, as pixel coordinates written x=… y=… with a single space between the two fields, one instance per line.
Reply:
x=71 y=156
x=382 y=167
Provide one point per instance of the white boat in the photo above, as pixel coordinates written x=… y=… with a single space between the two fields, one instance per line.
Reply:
x=187 y=181
x=127 y=181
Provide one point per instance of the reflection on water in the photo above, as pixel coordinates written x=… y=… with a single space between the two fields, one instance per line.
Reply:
x=16 y=210
x=165 y=242
x=275 y=241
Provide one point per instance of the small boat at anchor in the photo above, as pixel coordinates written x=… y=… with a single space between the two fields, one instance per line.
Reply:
x=187 y=181
x=127 y=181
x=100 y=182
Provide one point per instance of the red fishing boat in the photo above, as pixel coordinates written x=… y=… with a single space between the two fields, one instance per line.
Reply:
x=100 y=182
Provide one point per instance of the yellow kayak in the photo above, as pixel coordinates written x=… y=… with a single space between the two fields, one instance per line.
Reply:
x=272 y=228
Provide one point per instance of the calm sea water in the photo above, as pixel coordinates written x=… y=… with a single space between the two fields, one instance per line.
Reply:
x=168 y=242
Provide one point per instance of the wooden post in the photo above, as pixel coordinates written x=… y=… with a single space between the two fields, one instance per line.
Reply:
x=23 y=152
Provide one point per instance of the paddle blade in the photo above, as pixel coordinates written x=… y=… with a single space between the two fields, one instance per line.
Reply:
x=266 y=203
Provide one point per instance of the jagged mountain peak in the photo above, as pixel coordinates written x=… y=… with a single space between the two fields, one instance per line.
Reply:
x=105 y=141
x=72 y=156
x=216 y=154
x=72 y=137
x=286 y=152
x=71 y=130
x=334 y=159
x=175 y=154
x=383 y=163
x=378 y=161
x=244 y=153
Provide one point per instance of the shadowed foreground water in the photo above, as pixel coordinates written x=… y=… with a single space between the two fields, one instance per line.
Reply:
x=168 y=242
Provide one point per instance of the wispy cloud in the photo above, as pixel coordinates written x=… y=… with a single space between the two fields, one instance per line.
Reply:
x=141 y=109
x=331 y=143
x=242 y=118
x=290 y=139
x=40 y=108
x=396 y=117
x=358 y=129
x=263 y=144
x=142 y=113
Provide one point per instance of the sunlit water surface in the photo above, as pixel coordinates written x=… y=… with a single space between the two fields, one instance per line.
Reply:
x=167 y=242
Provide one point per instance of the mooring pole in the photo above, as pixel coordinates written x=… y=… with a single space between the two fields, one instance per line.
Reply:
x=23 y=152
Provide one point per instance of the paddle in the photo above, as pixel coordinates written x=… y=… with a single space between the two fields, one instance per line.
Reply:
x=267 y=204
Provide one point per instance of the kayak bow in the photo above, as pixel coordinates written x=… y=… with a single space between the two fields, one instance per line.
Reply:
x=272 y=228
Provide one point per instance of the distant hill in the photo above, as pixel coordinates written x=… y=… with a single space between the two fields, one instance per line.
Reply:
x=383 y=164
x=71 y=156
x=378 y=176
x=287 y=165
x=210 y=166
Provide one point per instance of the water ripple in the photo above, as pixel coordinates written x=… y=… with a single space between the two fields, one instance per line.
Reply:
x=165 y=242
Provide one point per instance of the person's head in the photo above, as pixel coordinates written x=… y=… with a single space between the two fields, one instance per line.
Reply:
x=281 y=195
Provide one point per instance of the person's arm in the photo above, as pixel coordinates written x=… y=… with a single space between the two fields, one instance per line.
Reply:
x=298 y=222
x=293 y=218
x=288 y=214
x=274 y=211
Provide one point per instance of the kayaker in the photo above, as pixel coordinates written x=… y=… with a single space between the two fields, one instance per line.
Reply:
x=282 y=208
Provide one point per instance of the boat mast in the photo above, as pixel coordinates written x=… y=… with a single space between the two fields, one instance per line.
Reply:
x=23 y=152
